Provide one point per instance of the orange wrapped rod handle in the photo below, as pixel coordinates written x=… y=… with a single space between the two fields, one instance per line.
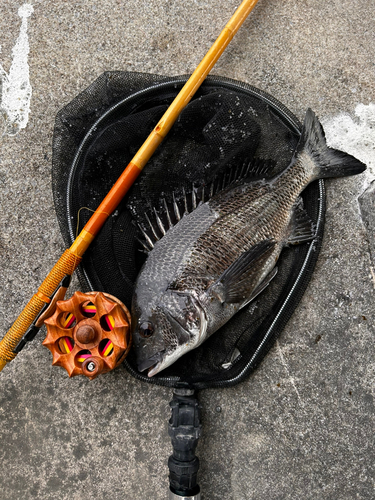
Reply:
x=69 y=261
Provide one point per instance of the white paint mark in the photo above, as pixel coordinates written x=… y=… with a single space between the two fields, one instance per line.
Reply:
x=15 y=88
x=373 y=275
x=355 y=136
x=291 y=379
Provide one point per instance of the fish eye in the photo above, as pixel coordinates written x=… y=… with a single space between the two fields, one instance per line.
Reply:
x=146 y=330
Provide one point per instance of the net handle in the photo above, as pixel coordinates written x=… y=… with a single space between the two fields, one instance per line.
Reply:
x=71 y=257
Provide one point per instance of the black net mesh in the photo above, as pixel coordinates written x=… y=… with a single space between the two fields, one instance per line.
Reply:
x=227 y=124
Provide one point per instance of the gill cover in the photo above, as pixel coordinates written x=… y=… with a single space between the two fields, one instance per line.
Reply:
x=178 y=323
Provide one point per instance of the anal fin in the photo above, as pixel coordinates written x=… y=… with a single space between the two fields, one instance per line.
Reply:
x=302 y=229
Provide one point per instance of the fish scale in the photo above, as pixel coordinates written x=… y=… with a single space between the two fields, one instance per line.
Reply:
x=229 y=236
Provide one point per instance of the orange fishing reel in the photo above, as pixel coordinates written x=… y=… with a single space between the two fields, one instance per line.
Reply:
x=88 y=334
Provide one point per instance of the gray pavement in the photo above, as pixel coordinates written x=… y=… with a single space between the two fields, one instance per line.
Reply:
x=302 y=426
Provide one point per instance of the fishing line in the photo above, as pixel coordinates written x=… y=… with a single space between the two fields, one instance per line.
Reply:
x=90 y=210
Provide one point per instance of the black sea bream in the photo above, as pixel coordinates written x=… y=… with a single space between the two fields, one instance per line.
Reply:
x=215 y=260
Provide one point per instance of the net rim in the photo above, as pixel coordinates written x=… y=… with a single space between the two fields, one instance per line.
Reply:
x=294 y=124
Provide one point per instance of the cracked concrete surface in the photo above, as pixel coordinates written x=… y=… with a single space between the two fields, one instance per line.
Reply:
x=302 y=426
x=367 y=205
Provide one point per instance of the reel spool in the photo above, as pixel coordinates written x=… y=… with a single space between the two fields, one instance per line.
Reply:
x=88 y=334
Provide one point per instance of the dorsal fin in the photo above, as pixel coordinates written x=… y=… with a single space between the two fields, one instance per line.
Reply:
x=156 y=224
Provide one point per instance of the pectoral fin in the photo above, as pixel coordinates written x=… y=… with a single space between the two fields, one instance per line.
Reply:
x=238 y=283
x=264 y=284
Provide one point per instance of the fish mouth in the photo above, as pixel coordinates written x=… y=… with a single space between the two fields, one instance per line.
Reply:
x=151 y=362
x=154 y=369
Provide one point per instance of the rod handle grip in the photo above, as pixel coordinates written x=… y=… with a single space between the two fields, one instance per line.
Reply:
x=66 y=264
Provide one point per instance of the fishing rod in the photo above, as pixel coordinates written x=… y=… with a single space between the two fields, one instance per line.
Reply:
x=26 y=325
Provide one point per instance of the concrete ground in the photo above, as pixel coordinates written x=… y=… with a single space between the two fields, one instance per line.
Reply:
x=302 y=426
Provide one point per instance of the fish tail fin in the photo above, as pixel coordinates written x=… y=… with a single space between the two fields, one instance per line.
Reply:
x=328 y=162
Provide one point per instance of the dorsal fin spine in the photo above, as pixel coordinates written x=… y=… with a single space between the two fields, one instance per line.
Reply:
x=185 y=201
x=193 y=199
x=159 y=222
x=168 y=214
x=176 y=209
x=152 y=228
x=146 y=236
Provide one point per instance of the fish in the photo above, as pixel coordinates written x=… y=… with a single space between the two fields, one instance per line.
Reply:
x=216 y=259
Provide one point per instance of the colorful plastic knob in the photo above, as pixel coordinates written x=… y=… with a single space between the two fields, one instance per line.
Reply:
x=88 y=334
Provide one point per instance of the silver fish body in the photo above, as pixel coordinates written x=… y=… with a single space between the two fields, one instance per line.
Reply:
x=215 y=260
